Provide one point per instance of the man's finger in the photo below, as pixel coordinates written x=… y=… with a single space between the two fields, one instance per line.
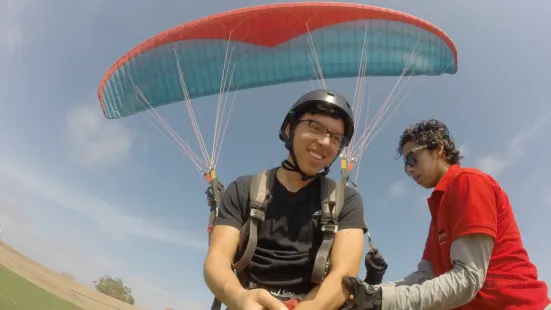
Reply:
x=373 y=254
x=373 y=265
x=378 y=258
x=252 y=305
x=270 y=302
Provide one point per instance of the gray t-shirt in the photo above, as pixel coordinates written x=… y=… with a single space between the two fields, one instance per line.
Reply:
x=290 y=236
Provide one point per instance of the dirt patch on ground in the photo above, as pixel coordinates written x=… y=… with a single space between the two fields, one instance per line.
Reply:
x=57 y=284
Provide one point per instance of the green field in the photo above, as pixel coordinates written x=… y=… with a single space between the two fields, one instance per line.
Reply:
x=17 y=293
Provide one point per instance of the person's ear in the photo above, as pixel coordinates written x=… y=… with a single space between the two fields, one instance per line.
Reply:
x=440 y=149
x=288 y=130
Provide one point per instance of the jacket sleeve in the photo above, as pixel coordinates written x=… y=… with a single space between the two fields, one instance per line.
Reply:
x=470 y=256
x=422 y=274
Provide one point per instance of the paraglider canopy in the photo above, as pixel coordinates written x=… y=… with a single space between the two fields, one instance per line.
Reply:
x=272 y=44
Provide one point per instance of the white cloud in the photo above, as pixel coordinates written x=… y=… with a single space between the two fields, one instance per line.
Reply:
x=494 y=164
x=497 y=163
x=464 y=150
x=107 y=216
x=11 y=29
x=398 y=188
x=10 y=36
x=96 y=141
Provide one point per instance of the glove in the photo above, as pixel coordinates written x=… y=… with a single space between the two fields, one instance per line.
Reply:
x=375 y=267
x=366 y=297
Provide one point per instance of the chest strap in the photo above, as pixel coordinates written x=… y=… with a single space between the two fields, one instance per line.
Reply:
x=332 y=201
x=260 y=196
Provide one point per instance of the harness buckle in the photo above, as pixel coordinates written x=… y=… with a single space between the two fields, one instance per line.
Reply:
x=283 y=293
x=257 y=214
x=330 y=228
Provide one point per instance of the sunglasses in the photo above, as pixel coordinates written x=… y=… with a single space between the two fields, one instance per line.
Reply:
x=410 y=160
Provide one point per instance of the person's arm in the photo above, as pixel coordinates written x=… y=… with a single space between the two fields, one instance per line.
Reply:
x=471 y=205
x=423 y=273
x=218 y=272
x=346 y=257
x=471 y=256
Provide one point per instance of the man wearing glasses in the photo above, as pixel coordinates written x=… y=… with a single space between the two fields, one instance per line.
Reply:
x=280 y=272
x=473 y=257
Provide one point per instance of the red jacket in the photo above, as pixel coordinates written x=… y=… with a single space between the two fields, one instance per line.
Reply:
x=467 y=201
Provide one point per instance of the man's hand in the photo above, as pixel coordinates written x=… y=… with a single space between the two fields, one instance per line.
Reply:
x=376 y=266
x=258 y=299
x=363 y=296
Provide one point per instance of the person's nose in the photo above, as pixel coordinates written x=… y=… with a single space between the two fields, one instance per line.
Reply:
x=410 y=170
x=325 y=140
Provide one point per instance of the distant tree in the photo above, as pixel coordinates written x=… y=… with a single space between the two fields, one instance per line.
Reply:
x=115 y=288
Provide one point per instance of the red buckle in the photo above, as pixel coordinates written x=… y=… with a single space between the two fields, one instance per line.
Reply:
x=291 y=304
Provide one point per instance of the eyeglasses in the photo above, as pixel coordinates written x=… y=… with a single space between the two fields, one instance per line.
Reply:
x=318 y=131
x=410 y=160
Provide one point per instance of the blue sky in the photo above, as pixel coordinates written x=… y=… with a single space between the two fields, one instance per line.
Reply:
x=91 y=196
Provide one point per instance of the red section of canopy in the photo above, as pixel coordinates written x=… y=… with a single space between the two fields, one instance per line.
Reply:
x=279 y=23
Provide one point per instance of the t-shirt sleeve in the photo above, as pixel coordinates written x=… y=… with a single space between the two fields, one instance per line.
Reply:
x=470 y=202
x=231 y=209
x=352 y=213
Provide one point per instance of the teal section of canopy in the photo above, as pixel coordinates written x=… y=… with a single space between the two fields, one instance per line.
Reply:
x=339 y=47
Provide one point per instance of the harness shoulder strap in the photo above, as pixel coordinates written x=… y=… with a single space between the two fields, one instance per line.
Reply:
x=260 y=196
x=332 y=201
x=214 y=192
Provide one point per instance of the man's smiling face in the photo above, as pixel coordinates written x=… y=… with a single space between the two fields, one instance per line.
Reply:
x=317 y=141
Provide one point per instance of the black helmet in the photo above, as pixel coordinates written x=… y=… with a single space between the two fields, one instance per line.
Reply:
x=314 y=102
x=308 y=103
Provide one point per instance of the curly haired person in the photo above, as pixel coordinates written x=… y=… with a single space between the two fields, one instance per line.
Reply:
x=474 y=257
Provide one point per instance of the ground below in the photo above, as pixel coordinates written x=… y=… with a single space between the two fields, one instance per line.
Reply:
x=16 y=293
